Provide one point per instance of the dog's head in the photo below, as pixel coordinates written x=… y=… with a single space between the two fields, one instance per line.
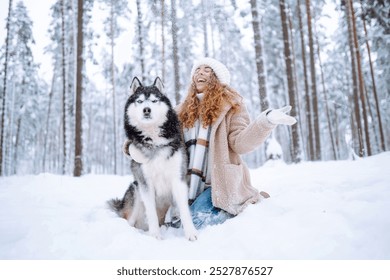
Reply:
x=147 y=105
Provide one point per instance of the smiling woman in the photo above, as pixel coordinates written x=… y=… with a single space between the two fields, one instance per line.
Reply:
x=201 y=77
x=217 y=129
x=208 y=75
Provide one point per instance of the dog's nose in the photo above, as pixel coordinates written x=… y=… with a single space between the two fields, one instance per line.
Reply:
x=147 y=111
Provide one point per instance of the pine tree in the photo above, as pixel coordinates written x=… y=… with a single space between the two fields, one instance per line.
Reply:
x=358 y=129
x=296 y=151
x=175 y=51
x=21 y=107
x=261 y=76
x=78 y=163
x=7 y=43
x=112 y=29
x=63 y=66
x=374 y=91
x=325 y=93
x=141 y=40
x=163 y=60
x=314 y=94
x=308 y=102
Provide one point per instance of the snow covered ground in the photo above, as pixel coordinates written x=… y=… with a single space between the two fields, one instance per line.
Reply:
x=317 y=210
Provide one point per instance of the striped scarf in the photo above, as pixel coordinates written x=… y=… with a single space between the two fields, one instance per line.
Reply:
x=197 y=144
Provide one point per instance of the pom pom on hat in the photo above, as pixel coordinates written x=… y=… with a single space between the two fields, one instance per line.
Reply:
x=219 y=69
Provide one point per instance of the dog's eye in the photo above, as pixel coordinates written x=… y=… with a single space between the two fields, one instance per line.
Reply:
x=154 y=101
x=139 y=101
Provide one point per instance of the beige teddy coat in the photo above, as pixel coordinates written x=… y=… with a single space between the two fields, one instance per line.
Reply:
x=233 y=134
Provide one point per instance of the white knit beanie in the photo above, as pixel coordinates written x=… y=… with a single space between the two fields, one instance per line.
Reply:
x=219 y=69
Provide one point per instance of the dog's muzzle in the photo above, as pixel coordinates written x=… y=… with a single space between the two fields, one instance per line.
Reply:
x=147 y=112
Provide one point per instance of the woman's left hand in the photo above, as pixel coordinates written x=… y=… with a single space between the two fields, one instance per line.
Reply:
x=278 y=116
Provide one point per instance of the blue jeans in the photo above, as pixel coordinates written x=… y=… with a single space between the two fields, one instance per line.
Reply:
x=204 y=213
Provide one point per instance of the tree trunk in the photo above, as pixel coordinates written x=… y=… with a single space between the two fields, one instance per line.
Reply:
x=113 y=85
x=175 y=51
x=63 y=66
x=358 y=125
x=328 y=116
x=361 y=81
x=71 y=66
x=297 y=100
x=261 y=73
x=7 y=42
x=14 y=166
x=162 y=41
x=204 y=25
x=45 y=148
x=296 y=153
x=316 y=121
x=78 y=164
x=308 y=109
x=377 y=106
x=140 y=40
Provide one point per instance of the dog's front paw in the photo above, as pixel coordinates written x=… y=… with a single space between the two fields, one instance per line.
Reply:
x=192 y=235
x=125 y=147
x=137 y=155
x=156 y=235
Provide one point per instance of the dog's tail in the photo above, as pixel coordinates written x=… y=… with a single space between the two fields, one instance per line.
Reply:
x=115 y=205
x=122 y=206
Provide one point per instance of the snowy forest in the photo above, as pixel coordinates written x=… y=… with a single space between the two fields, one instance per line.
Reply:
x=279 y=52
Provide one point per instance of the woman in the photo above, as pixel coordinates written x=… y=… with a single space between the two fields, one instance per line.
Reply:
x=217 y=129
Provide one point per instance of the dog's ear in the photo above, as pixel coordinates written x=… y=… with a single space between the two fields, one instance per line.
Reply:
x=134 y=85
x=159 y=84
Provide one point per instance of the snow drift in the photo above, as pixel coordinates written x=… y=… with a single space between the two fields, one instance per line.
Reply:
x=317 y=210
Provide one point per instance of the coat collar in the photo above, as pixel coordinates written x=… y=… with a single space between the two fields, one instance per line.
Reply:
x=222 y=115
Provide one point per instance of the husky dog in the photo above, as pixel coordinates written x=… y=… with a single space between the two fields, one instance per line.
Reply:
x=158 y=162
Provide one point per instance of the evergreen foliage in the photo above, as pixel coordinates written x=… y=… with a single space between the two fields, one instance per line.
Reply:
x=338 y=82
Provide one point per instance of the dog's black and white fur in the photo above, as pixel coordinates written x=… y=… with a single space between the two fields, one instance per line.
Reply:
x=158 y=162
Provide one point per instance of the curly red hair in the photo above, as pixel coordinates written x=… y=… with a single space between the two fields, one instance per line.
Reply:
x=216 y=97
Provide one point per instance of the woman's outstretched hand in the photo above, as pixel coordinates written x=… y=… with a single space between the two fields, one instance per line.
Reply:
x=278 y=116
